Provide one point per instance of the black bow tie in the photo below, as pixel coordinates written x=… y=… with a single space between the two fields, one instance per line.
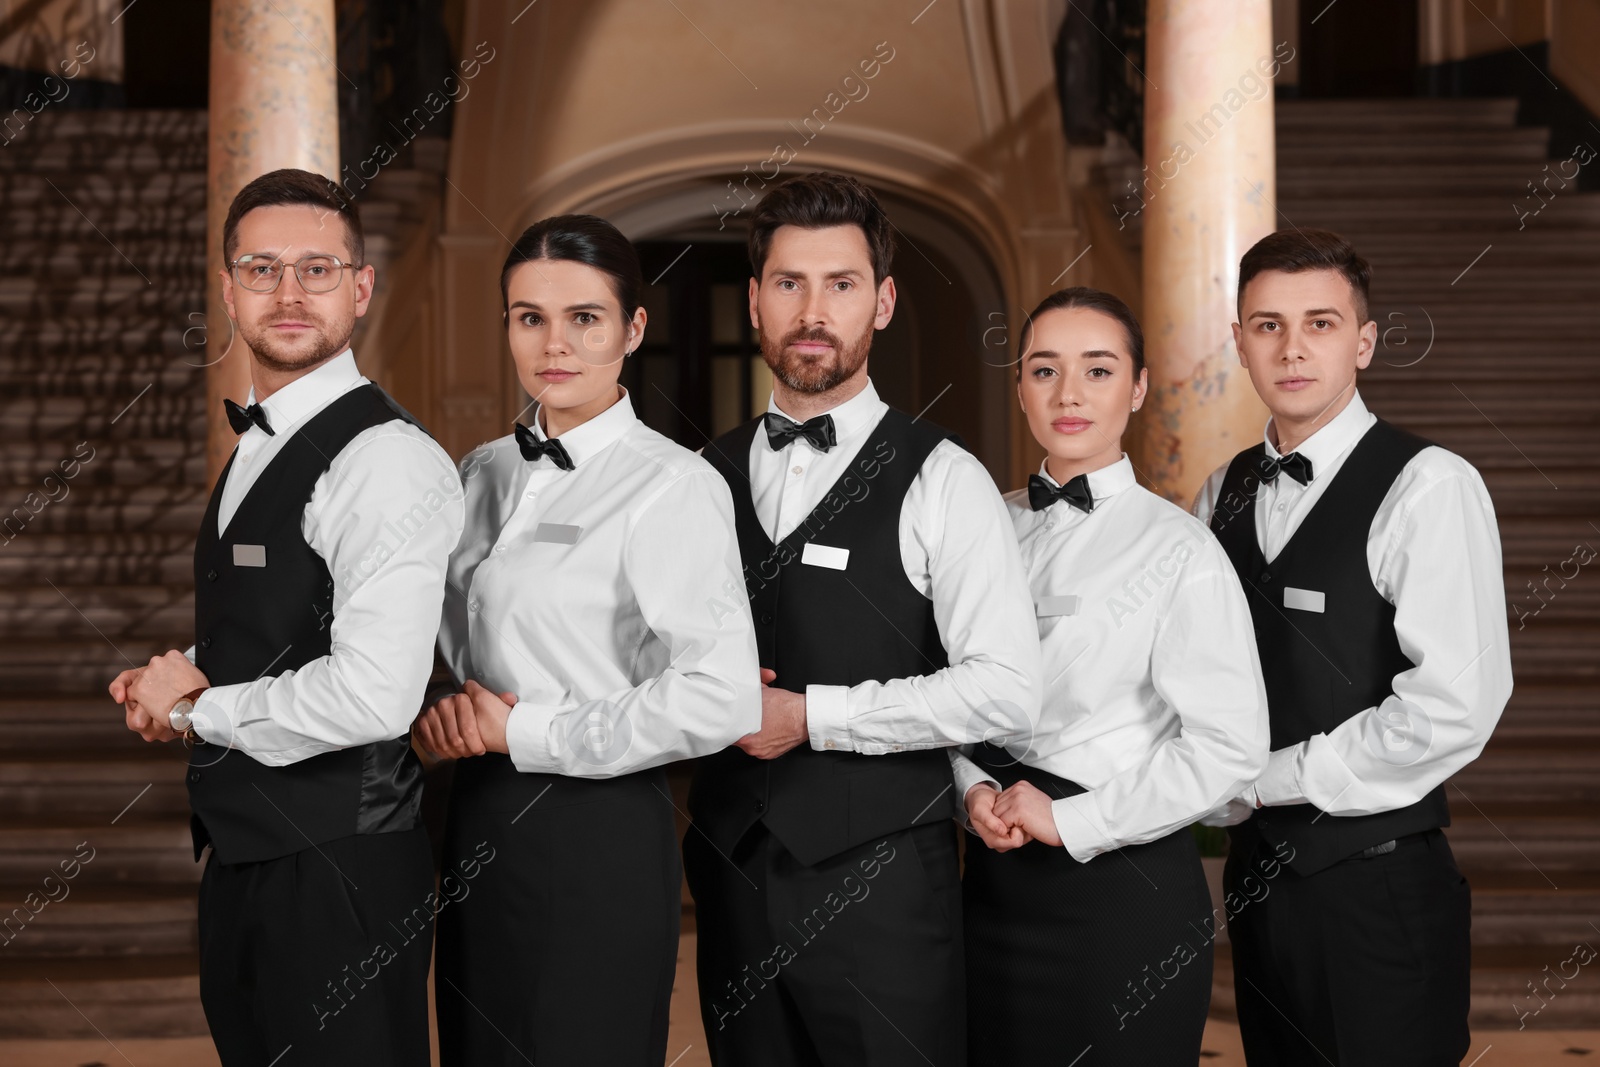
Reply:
x=240 y=418
x=532 y=448
x=1041 y=494
x=1294 y=465
x=819 y=431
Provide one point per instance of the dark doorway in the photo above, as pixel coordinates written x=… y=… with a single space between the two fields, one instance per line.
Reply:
x=699 y=372
x=167 y=52
x=1356 y=48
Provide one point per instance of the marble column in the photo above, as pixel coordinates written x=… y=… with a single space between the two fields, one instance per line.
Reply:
x=273 y=103
x=1209 y=193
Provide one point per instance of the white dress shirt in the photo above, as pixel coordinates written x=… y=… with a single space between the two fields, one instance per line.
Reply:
x=608 y=598
x=1153 y=699
x=957 y=549
x=383 y=517
x=1434 y=553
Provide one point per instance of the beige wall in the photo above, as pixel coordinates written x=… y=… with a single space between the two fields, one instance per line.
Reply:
x=1575 y=49
x=645 y=112
x=1457 y=29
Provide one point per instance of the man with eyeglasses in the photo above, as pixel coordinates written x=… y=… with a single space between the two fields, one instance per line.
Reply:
x=319 y=582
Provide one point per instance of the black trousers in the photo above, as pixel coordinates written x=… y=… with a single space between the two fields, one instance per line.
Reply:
x=320 y=957
x=854 y=961
x=559 y=941
x=1098 y=964
x=1364 y=964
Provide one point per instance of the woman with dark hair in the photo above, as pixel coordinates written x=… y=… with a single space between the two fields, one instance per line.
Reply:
x=596 y=625
x=1088 y=921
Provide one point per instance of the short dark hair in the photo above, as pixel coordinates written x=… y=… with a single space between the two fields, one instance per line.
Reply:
x=1293 y=251
x=815 y=201
x=586 y=239
x=291 y=186
x=1081 y=296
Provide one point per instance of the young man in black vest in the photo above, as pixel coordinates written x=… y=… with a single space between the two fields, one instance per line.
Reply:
x=1371 y=561
x=319 y=579
x=893 y=621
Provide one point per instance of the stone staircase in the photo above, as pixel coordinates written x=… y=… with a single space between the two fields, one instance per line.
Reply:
x=1512 y=382
x=102 y=467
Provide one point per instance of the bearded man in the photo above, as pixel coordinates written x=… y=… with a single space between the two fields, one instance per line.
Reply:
x=894 y=622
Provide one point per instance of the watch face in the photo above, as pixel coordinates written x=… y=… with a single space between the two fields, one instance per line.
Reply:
x=178 y=717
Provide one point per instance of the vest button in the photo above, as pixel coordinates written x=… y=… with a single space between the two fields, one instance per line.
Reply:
x=761 y=805
x=205 y=642
x=211 y=576
x=1266 y=576
x=766 y=618
x=194 y=776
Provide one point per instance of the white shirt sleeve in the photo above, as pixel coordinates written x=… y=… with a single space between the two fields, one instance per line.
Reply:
x=1205 y=667
x=682 y=565
x=1440 y=567
x=384 y=517
x=985 y=617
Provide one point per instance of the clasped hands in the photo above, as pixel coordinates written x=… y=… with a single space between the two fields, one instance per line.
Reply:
x=147 y=693
x=466 y=724
x=1010 y=819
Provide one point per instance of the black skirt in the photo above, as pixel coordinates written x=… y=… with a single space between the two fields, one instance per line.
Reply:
x=561 y=946
x=1106 y=962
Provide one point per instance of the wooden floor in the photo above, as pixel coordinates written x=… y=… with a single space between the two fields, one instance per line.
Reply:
x=686 y=1047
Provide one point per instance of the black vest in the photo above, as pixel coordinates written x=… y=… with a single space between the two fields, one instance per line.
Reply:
x=1323 y=667
x=819 y=626
x=259 y=621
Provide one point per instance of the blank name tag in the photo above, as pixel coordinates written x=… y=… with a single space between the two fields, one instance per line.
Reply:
x=557 y=533
x=825 y=556
x=1304 y=599
x=1057 y=605
x=249 y=555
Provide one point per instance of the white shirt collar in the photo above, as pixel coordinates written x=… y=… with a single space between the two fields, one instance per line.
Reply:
x=860 y=412
x=309 y=393
x=590 y=438
x=1334 y=439
x=1104 y=483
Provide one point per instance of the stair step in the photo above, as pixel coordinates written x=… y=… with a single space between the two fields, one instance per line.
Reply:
x=1537 y=845
x=137 y=849
x=157 y=996
x=125 y=125
x=1425 y=113
x=35 y=611
x=81 y=666
x=100 y=786
x=66 y=919
x=49 y=722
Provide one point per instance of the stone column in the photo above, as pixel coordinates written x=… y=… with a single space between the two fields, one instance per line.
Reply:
x=1209 y=193
x=273 y=103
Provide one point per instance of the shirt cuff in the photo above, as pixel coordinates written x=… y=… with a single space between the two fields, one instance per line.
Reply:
x=1083 y=832
x=1280 y=783
x=828 y=717
x=968 y=774
x=213 y=715
x=528 y=737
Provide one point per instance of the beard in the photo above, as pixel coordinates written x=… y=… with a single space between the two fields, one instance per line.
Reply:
x=327 y=339
x=814 y=374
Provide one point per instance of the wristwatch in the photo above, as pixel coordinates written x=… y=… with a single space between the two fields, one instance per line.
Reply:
x=178 y=717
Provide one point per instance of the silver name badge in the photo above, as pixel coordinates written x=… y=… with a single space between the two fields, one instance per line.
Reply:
x=249 y=555
x=815 y=555
x=1057 y=605
x=557 y=533
x=1304 y=599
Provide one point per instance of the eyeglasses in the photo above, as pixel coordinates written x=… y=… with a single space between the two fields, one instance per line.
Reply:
x=263 y=274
